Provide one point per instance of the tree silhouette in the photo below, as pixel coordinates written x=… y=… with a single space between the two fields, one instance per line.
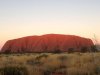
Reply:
x=94 y=49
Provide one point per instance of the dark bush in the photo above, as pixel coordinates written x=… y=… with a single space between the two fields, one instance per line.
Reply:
x=97 y=70
x=47 y=73
x=57 y=51
x=94 y=49
x=70 y=50
x=7 y=52
x=84 y=49
x=42 y=56
x=13 y=71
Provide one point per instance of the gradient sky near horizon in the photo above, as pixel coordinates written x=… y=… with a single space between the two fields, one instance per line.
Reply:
x=19 y=18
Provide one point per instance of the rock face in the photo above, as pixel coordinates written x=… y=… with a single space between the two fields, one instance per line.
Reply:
x=47 y=43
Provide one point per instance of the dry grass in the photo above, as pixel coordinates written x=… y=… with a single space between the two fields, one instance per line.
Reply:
x=48 y=63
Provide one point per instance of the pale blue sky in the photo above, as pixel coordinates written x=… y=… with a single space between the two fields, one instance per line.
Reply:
x=20 y=18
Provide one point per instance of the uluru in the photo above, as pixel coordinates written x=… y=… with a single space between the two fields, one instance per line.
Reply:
x=47 y=43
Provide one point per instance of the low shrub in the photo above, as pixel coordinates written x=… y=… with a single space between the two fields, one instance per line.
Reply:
x=94 y=49
x=8 y=70
x=70 y=50
x=84 y=49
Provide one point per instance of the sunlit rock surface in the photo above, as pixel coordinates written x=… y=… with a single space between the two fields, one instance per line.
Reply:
x=47 y=43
